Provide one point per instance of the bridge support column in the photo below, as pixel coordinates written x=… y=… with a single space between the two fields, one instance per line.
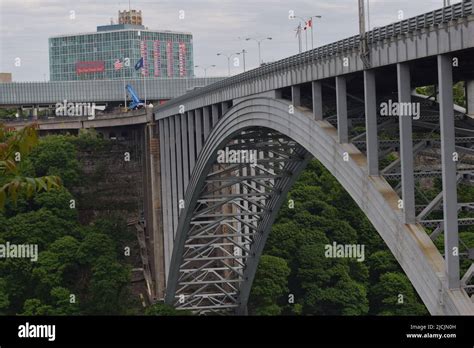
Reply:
x=406 y=144
x=225 y=108
x=341 y=97
x=185 y=151
x=450 y=202
x=371 y=122
x=198 y=126
x=470 y=97
x=174 y=184
x=191 y=142
x=317 y=100
x=206 y=121
x=179 y=162
x=165 y=149
x=153 y=187
x=215 y=114
x=296 y=95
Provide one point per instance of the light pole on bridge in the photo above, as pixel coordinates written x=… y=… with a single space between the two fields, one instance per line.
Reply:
x=229 y=57
x=259 y=42
x=205 y=71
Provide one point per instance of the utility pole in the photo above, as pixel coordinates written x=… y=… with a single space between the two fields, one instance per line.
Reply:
x=368 y=15
x=364 y=51
x=243 y=57
x=312 y=30
x=298 y=33
x=259 y=42
x=229 y=57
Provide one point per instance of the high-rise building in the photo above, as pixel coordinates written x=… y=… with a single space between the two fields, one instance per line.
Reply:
x=93 y=56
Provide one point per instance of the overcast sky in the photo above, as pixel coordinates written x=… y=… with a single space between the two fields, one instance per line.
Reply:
x=217 y=26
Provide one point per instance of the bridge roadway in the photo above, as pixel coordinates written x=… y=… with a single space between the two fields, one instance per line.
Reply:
x=98 y=91
x=208 y=221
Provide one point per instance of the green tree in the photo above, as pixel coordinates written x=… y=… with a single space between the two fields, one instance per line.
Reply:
x=107 y=285
x=269 y=286
x=4 y=301
x=164 y=310
x=55 y=155
x=14 y=148
x=34 y=307
x=394 y=295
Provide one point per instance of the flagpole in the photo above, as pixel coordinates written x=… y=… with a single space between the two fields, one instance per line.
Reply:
x=312 y=34
x=124 y=89
x=299 y=37
x=144 y=84
x=306 y=37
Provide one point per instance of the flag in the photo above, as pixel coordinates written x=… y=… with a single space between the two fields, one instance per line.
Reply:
x=309 y=23
x=139 y=64
x=118 y=64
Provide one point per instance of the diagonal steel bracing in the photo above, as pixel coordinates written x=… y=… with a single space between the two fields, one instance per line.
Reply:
x=229 y=216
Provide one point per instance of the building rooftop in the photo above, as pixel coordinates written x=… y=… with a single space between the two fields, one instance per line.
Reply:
x=129 y=20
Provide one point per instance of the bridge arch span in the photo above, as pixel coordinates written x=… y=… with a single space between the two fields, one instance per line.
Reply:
x=192 y=282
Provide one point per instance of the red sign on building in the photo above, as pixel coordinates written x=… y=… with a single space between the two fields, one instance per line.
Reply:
x=182 y=59
x=144 y=55
x=169 y=58
x=90 y=67
x=156 y=58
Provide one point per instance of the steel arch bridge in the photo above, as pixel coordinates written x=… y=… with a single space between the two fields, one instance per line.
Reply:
x=229 y=213
x=210 y=218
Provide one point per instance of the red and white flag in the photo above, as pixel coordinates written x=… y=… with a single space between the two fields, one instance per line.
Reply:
x=118 y=64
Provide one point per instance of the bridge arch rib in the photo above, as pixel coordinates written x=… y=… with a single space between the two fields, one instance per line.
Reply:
x=200 y=280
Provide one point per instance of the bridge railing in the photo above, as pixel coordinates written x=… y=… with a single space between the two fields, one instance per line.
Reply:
x=436 y=17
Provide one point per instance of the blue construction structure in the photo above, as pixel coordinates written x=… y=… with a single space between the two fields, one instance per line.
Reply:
x=136 y=103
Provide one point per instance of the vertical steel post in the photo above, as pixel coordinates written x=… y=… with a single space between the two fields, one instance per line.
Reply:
x=317 y=100
x=296 y=95
x=341 y=100
x=406 y=144
x=371 y=122
x=191 y=142
x=450 y=209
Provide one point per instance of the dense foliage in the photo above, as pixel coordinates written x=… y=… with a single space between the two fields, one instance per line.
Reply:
x=80 y=269
x=294 y=275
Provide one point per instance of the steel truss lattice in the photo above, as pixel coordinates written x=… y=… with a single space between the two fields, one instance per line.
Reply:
x=235 y=205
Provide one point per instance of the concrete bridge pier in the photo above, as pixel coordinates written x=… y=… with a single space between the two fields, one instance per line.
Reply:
x=153 y=205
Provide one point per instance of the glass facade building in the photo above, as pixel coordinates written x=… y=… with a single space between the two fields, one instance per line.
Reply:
x=92 y=56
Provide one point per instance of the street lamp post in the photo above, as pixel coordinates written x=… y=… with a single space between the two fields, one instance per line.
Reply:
x=312 y=31
x=205 y=71
x=259 y=42
x=229 y=57
x=243 y=57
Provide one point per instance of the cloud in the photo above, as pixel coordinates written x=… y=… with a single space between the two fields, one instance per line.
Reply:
x=217 y=26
